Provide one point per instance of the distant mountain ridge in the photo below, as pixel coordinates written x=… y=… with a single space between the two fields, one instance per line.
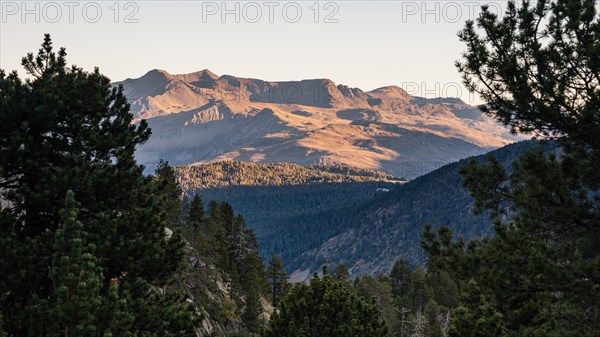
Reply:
x=166 y=89
x=201 y=118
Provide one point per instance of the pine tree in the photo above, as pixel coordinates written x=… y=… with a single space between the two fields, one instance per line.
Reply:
x=196 y=213
x=380 y=289
x=220 y=237
x=228 y=217
x=71 y=130
x=341 y=272
x=538 y=70
x=325 y=307
x=76 y=278
x=215 y=230
x=277 y=277
x=114 y=314
x=419 y=291
x=432 y=312
x=251 y=273
x=401 y=277
x=445 y=289
x=169 y=189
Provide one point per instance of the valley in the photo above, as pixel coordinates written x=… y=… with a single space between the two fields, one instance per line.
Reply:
x=322 y=189
x=349 y=221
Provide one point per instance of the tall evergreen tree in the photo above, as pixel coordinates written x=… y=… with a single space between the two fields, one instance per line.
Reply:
x=538 y=69
x=169 y=189
x=277 y=277
x=215 y=230
x=220 y=238
x=380 y=289
x=196 y=212
x=228 y=218
x=419 y=291
x=67 y=129
x=251 y=273
x=76 y=278
x=401 y=277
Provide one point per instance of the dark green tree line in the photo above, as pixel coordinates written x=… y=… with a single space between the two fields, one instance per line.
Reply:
x=413 y=301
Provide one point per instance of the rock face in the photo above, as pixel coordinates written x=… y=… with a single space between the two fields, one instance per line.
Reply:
x=209 y=291
x=201 y=117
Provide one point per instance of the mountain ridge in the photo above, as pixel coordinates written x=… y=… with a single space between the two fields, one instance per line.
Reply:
x=201 y=117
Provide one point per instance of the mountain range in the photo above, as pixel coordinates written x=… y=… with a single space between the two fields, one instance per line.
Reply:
x=201 y=118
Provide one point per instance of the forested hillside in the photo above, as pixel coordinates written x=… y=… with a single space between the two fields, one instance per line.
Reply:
x=277 y=196
x=390 y=226
x=223 y=275
x=236 y=173
x=355 y=222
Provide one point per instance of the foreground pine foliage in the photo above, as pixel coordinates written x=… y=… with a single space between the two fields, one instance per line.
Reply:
x=538 y=67
x=83 y=250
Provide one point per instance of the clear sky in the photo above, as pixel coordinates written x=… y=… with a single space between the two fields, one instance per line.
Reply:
x=365 y=44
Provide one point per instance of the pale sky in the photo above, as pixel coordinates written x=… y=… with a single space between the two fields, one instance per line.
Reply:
x=365 y=44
